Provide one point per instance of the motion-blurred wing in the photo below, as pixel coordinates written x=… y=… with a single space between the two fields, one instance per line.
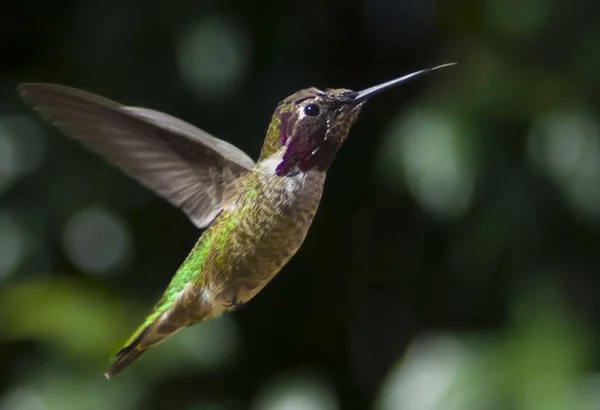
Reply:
x=178 y=161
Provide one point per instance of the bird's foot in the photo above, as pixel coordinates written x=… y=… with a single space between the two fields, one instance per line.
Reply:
x=234 y=302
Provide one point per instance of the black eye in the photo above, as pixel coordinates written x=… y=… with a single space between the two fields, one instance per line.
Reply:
x=312 y=110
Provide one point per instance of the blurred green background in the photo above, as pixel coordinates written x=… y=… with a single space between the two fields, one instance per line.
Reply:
x=454 y=262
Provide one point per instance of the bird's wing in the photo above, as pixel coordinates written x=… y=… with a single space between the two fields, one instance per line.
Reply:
x=181 y=163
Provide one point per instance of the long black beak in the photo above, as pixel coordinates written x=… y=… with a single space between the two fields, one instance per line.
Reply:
x=369 y=92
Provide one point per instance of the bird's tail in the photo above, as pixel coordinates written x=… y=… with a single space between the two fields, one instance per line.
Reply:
x=147 y=335
x=126 y=355
x=164 y=321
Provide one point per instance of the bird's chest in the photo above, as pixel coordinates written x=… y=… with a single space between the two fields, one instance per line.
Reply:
x=293 y=194
x=273 y=201
x=286 y=206
x=265 y=229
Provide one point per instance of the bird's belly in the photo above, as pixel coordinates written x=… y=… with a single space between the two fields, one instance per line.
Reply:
x=263 y=234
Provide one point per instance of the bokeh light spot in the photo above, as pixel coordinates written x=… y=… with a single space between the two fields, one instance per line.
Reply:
x=296 y=391
x=12 y=244
x=96 y=240
x=213 y=344
x=22 y=148
x=566 y=147
x=21 y=399
x=589 y=392
x=428 y=149
x=424 y=376
x=8 y=160
x=213 y=56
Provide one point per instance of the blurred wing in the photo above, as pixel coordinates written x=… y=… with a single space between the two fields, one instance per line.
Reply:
x=178 y=161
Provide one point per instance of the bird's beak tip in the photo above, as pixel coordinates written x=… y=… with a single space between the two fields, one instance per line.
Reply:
x=369 y=92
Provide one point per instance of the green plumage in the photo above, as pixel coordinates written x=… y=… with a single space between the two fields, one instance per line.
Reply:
x=245 y=247
x=256 y=215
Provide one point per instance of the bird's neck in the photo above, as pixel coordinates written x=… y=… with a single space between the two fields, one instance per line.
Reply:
x=269 y=166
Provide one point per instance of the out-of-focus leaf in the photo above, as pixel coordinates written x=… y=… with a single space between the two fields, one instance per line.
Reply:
x=72 y=315
x=547 y=352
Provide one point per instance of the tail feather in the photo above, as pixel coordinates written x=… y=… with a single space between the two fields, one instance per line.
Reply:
x=127 y=355
x=161 y=324
x=154 y=331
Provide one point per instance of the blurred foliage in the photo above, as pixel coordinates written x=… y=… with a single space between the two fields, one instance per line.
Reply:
x=453 y=263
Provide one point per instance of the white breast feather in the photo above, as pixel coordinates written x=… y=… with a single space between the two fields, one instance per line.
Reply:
x=293 y=187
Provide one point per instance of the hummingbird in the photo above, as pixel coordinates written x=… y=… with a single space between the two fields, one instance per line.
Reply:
x=255 y=215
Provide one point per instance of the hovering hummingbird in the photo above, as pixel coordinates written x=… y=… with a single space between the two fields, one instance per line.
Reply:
x=256 y=214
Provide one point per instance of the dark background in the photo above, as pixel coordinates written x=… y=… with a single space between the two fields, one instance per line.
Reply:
x=453 y=263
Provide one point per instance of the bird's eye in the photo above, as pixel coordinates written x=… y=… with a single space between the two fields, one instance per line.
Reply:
x=312 y=110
